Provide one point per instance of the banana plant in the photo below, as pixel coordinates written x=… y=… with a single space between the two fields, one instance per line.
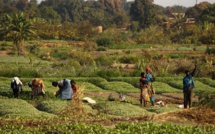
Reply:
x=16 y=28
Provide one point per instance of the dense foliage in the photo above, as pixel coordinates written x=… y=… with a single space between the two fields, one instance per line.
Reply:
x=78 y=20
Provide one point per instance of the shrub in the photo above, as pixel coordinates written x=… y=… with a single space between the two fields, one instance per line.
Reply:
x=84 y=58
x=103 y=61
x=210 y=50
x=34 y=49
x=207 y=98
x=129 y=59
x=24 y=72
x=200 y=48
x=104 y=41
x=59 y=55
x=90 y=46
x=134 y=26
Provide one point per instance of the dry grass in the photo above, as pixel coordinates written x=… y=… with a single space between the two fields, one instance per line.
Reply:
x=75 y=107
x=198 y=115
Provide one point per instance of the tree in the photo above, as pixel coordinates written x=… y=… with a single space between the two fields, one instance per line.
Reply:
x=31 y=11
x=16 y=28
x=207 y=15
x=195 y=11
x=49 y=14
x=112 y=6
x=144 y=12
x=7 y=7
x=21 y=4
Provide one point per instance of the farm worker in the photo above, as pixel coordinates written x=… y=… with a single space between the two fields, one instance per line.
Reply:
x=65 y=89
x=143 y=90
x=121 y=97
x=16 y=85
x=188 y=85
x=37 y=87
x=74 y=86
x=150 y=78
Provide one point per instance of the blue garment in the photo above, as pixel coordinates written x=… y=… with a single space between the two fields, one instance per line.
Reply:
x=66 y=91
x=188 y=81
x=148 y=76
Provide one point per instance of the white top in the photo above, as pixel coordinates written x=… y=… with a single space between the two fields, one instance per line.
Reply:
x=17 y=80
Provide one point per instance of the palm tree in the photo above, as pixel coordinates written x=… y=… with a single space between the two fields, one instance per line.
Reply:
x=17 y=29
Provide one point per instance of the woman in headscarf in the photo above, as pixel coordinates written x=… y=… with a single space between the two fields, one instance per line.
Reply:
x=16 y=85
x=37 y=87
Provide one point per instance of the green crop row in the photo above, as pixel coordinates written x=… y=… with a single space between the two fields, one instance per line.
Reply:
x=123 y=128
x=116 y=84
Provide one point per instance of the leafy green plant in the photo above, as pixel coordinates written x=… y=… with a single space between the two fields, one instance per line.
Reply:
x=104 y=41
x=119 y=108
x=52 y=106
x=59 y=55
x=207 y=81
x=89 y=87
x=200 y=48
x=20 y=108
x=119 y=87
x=207 y=98
x=173 y=56
x=109 y=73
x=160 y=87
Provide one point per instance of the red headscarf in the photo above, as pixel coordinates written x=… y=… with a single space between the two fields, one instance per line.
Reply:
x=148 y=69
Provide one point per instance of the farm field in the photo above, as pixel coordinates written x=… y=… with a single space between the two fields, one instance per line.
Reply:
x=99 y=74
x=52 y=115
x=107 y=48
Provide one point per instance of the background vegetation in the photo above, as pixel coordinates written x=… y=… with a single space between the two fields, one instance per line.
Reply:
x=104 y=45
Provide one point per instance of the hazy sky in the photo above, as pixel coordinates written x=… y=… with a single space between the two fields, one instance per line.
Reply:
x=186 y=3
x=164 y=3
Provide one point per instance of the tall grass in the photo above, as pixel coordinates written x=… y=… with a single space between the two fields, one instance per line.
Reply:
x=75 y=106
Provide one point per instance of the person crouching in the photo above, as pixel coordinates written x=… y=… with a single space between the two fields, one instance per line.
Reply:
x=37 y=87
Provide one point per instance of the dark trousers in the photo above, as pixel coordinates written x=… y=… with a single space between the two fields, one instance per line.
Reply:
x=188 y=94
x=15 y=93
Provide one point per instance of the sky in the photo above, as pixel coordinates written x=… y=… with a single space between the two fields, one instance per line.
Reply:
x=185 y=3
x=165 y=3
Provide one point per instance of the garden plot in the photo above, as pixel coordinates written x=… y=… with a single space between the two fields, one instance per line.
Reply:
x=104 y=112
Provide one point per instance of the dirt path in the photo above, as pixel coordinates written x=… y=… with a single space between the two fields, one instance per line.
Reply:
x=169 y=98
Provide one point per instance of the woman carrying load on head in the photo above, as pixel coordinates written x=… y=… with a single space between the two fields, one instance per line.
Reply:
x=150 y=78
x=37 y=87
x=143 y=89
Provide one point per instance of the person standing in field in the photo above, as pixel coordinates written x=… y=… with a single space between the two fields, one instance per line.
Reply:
x=143 y=89
x=37 y=87
x=188 y=85
x=150 y=79
x=65 y=89
x=16 y=86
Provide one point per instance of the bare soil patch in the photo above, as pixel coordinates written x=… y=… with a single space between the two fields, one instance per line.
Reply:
x=192 y=116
